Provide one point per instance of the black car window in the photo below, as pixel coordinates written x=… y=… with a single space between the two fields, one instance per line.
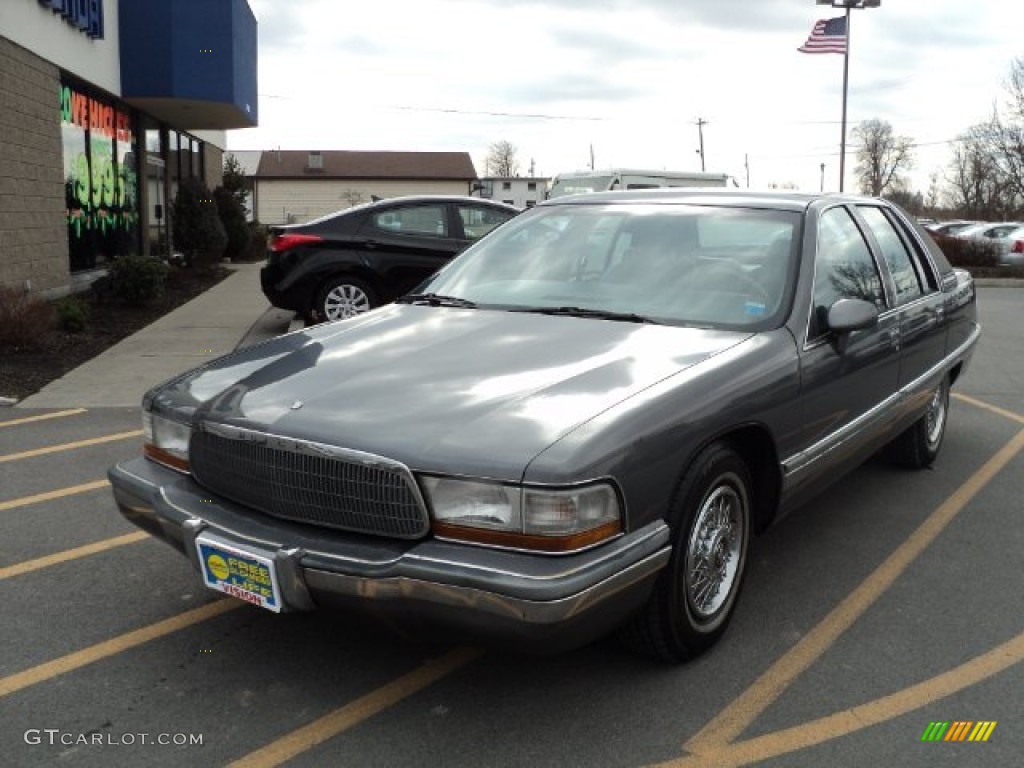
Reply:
x=412 y=220
x=478 y=220
x=843 y=268
x=905 y=273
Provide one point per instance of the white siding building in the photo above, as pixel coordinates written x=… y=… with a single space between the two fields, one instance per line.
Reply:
x=522 y=192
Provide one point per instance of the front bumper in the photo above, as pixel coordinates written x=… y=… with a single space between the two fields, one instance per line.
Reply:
x=537 y=602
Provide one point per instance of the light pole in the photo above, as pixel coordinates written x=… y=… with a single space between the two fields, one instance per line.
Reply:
x=849 y=5
x=701 y=122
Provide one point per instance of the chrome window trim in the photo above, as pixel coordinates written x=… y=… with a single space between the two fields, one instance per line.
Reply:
x=915 y=262
x=809 y=341
x=922 y=247
x=802 y=460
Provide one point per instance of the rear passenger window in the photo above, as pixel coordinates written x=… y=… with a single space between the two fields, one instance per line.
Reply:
x=413 y=220
x=843 y=268
x=905 y=272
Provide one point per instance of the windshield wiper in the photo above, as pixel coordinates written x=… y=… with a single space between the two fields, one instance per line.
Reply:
x=600 y=314
x=436 y=300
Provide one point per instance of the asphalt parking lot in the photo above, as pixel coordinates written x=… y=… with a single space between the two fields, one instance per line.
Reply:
x=892 y=602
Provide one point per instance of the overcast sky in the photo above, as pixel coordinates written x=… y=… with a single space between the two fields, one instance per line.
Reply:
x=629 y=78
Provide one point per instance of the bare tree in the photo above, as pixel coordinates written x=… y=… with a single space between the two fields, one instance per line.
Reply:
x=881 y=158
x=501 y=159
x=979 y=187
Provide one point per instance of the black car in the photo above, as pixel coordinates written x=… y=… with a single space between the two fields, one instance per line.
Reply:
x=349 y=262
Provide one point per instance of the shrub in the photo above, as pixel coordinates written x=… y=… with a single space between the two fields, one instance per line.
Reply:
x=196 y=228
x=72 y=314
x=232 y=216
x=25 y=320
x=258 y=237
x=965 y=252
x=138 y=280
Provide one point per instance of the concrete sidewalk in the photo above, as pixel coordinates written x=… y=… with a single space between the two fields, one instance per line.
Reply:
x=232 y=314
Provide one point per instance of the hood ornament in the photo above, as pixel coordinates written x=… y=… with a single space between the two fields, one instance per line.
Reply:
x=297 y=404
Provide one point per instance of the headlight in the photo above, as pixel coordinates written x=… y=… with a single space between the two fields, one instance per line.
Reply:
x=166 y=441
x=523 y=517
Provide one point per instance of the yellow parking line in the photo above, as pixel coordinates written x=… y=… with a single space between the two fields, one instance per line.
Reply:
x=993 y=408
x=863 y=716
x=70 y=446
x=71 y=490
x=114 y=645
x=67 y=555
x=737 y=716
x=42 y=417
x=355 y=712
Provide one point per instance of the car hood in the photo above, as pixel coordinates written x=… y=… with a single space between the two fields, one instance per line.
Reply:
x=477 y=392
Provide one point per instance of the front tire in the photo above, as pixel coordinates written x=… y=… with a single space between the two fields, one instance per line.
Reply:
x=343 y=297
x=696 y=595
x=918 y=447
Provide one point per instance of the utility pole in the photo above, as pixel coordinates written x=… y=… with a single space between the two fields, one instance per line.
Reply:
x=822 y=177
x=746 y=165
x=701 y=122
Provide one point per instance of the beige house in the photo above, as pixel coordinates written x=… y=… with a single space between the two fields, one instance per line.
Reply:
x=296 y=186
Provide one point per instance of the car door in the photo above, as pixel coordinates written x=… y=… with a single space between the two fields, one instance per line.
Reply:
x=476 y=220
x=846 y=383
x=915 y=286
x=407 y=242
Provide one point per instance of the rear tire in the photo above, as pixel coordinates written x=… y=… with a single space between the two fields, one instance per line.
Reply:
x=918 y=447
x=343 y=297
x=696 y=595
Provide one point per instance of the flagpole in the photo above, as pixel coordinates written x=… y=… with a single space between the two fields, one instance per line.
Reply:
x=846 y=80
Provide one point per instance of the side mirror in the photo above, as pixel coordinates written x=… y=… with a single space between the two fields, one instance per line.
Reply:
x=849 y=315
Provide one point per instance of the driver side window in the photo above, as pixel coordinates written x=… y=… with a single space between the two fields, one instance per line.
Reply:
x=843 y=268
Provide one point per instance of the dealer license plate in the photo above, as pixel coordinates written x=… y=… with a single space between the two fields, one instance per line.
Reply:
x=239 y=571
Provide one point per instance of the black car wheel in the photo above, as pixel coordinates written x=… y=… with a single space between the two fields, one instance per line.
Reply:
x=343 y=297
x=918 y=447
x=695 y=596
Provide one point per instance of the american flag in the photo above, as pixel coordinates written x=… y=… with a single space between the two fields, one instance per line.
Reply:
x=828 y=36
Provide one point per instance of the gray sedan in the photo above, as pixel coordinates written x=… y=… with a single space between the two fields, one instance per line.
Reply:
x=575 y=427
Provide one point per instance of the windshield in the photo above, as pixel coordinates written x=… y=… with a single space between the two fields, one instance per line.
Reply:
x=709 y=266
x=579 y=185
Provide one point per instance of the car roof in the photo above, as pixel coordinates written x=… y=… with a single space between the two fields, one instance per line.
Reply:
x=438 y=199
x=795 y=201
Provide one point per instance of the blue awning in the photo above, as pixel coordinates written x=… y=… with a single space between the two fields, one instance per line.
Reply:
x=191 y=63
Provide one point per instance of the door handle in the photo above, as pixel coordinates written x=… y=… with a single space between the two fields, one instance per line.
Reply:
x=894 y=338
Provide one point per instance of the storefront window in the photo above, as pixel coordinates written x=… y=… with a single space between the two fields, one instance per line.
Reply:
x=100 y=179
x=197 y=159
x=156 y=203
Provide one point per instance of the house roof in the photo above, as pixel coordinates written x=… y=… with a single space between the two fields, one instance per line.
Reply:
x=345 y=164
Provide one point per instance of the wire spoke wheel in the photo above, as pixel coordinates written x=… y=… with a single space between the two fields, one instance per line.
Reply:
x=713 y=551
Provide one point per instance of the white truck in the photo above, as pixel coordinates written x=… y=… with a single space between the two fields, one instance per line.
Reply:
x=627 y=178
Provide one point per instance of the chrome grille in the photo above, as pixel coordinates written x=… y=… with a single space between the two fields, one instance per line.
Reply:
x=308 y=482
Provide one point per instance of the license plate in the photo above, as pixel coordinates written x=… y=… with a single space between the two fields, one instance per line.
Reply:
x=239 y=571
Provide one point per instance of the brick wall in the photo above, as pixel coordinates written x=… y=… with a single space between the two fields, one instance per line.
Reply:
x=33 y=216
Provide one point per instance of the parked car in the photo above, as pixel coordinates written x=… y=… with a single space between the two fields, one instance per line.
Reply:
x=988 y=230
x=1011 y=253
x=950 y=227
x=349 y=262
x=576 y=426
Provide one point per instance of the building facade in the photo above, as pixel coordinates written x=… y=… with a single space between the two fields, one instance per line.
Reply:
x=293 y=186
x=520 y=191
x=105 y=105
